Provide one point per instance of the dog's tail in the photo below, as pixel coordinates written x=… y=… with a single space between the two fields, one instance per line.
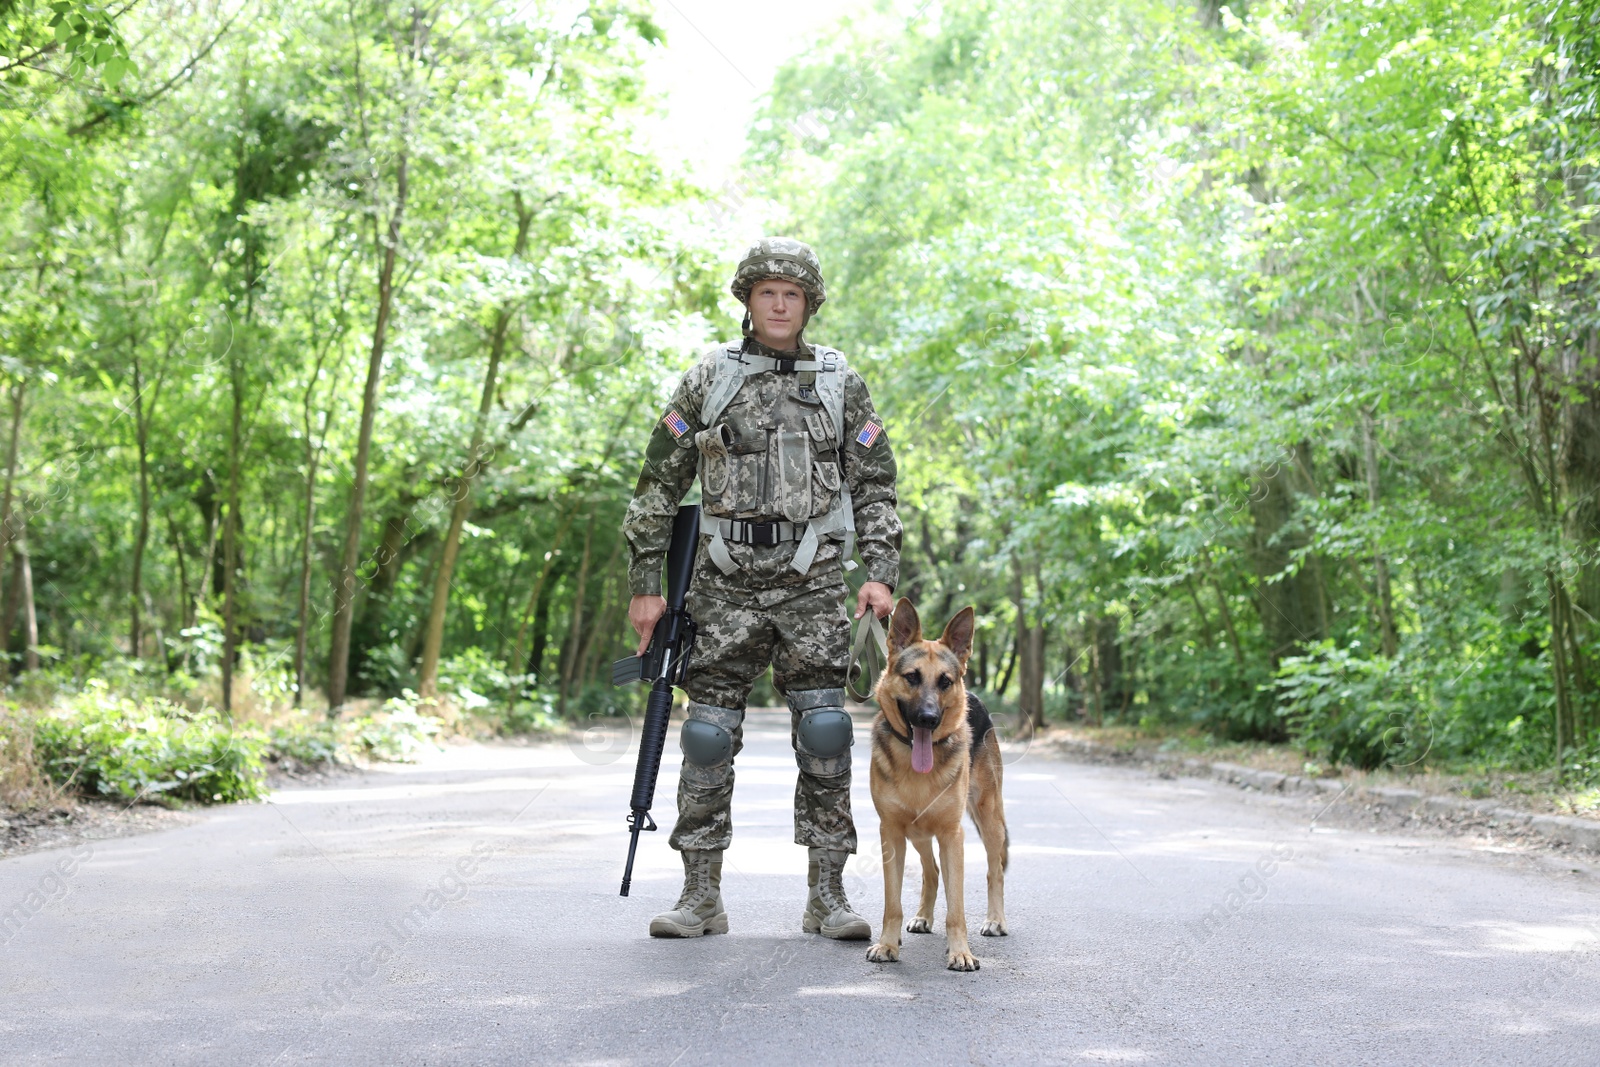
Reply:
x=989 y=755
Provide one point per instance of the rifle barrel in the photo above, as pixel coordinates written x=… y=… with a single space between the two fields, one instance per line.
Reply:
x=633 y=845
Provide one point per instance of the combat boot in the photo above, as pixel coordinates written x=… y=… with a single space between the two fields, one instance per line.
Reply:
x=828 y=911
x=699 y=909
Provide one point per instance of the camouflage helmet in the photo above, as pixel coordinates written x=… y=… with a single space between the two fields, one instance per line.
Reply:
x=780 y=257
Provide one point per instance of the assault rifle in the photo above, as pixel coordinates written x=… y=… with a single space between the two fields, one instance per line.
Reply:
x=665 y=663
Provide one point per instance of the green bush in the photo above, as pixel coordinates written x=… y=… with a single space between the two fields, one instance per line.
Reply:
x=199 y=647
x=308 y=741
x=397 y=734
x=1208 y=689
x=387 y=669
x=475 y=682
x=114 y=745
x=1466 y=698
x=270 y=669
x=612 y=701
x=1352 y=708
x=534 y=714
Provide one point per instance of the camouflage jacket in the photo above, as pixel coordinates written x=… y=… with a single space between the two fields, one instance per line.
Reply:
x=672 y=462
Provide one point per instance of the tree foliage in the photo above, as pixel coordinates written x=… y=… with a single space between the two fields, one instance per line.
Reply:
x=1241 y=361
x=1260 y=337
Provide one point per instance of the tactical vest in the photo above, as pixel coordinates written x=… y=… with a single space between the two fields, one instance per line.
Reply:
x=787 y=465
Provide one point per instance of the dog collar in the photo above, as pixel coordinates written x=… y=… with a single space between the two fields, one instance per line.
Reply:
x=904 y=738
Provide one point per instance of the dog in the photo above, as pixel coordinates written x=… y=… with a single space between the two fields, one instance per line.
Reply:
x=935 y=753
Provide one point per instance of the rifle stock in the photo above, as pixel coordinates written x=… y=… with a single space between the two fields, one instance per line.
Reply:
x=665 y=663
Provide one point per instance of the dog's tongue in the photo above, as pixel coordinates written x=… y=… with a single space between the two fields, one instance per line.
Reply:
x=921 y=749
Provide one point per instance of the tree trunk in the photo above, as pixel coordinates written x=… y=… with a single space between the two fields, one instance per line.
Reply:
x=413 y=645
x=1094 y=677
x=1222 y=605
x=1109 y=683
x=211 y=513
x=1030 y=647
x=313 y=456
x=1199 y=609
x=434 y=642
x=142 y=533
x=1369 y=448
x=1564 y=721
x=534 y=667
x=1578 y=463
x=1010 y=665
x=1290 y=605
x=345 y=589
x=534 y=602
x=575 y=627
x=508 y=587
x=303 y=617
x=30 y=615
x=185 y=616
x=13 y=601
x=598 y=632
x=7 y=522
x=1077 y=706
x=230 y=538
x=396 y=547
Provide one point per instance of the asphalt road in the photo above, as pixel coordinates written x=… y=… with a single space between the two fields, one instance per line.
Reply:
x=465 y=911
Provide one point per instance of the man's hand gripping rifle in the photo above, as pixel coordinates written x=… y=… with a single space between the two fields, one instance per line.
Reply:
x=665 y=663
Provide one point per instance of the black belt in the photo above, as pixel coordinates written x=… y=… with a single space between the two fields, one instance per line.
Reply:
x=767 y=532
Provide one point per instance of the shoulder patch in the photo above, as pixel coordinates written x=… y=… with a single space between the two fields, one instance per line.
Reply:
x=869 y=433
x=675 y=423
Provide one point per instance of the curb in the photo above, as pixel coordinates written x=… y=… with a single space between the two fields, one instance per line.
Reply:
x=1565 y=829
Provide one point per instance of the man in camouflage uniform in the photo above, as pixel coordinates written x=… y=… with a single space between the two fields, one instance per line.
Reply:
x=795 y=472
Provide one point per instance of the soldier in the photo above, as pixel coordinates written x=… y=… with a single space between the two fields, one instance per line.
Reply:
x=795 y=473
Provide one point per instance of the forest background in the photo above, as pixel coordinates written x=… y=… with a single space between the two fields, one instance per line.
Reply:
x=1241 y=363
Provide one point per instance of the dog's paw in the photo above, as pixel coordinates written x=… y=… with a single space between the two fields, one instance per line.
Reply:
x=883 y=952
x=919 y=925
x=963 y=961
x=993 y=929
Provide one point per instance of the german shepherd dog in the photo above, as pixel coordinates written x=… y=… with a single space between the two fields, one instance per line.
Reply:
x=934 y=753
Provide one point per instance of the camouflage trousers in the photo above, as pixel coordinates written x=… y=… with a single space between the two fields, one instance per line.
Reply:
x=802 y=630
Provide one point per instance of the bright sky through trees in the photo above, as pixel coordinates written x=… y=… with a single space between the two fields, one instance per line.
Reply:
x=720 y=56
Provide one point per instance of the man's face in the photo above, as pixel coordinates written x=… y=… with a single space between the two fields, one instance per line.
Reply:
x=777 y=312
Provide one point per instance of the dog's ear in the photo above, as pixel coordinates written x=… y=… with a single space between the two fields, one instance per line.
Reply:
x=904 y=627
x=957 y=636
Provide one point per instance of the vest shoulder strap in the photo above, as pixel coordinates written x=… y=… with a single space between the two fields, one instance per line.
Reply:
x=730 y=367
x=830 y=386
x=725 y=380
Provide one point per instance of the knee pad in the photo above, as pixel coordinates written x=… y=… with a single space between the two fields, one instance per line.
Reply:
x=705 y=744
x=709 y=743
x=824 y=734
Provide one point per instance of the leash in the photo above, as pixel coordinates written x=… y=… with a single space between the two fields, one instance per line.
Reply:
x=867 y=659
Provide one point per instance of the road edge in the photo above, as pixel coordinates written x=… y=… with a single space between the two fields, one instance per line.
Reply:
x=1561 y=829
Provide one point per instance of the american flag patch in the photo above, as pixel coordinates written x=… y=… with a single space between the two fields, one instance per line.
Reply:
x=869 y=435
x=675 y=423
